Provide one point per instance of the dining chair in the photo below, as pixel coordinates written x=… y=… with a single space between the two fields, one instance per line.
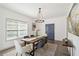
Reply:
x=26 y=36
x=32 y=36
x=22 y=50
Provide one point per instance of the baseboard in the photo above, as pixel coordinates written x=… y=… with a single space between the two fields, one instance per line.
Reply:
x=9 y=47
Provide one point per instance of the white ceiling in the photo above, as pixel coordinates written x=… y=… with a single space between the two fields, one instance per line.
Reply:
x=49 y=10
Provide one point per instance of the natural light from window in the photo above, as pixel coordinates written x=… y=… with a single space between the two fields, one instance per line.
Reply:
x=16 y=29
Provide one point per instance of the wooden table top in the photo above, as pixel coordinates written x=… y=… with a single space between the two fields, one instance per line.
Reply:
x=32 y=39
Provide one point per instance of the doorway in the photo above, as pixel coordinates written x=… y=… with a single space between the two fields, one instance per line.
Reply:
x=50 y=31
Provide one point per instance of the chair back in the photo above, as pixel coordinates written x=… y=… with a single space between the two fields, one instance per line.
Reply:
x=26 y=37
x=18 y=47
x=31 y=35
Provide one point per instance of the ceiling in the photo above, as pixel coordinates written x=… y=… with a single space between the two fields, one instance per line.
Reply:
x=49 y=10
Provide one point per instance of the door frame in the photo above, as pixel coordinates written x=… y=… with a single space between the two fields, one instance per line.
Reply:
x=53 y=29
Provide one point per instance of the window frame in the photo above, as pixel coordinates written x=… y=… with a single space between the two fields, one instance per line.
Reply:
x=18 y=21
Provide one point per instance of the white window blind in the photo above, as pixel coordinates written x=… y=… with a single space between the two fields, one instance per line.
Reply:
x=16 y=29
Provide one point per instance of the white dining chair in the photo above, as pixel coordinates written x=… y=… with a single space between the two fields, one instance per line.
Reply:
x=21 y=50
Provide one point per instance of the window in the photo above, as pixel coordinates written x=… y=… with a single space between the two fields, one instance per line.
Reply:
x=16 y=29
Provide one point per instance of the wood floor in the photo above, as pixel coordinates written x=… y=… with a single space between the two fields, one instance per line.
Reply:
x=59 y=50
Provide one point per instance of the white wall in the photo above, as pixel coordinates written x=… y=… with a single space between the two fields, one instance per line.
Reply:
x=60 y=27
x=75 y=40
x=5 y=13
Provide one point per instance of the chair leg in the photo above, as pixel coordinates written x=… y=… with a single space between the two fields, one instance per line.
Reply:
x=21 y=54
x=16 y=54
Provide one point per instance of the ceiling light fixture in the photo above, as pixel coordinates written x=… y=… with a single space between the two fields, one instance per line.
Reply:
x=39 y=17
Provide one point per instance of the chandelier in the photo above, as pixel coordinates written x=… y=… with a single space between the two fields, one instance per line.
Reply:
x=39 y=17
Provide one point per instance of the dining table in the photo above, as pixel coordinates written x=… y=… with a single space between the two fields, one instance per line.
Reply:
x=32 y=40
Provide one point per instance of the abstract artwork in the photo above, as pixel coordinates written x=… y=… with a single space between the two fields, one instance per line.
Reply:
x=73 y=21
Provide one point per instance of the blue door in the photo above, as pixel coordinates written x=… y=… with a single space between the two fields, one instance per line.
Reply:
x=50 y=31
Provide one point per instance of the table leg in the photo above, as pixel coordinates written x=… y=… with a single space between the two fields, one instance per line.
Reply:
x=33 y=48
x=32 y=52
